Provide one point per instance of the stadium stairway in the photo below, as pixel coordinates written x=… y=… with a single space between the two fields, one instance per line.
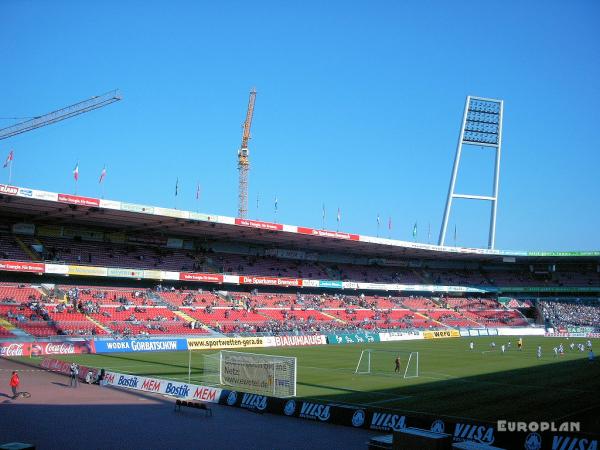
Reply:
x=333 y=317
x=190 y=319
x=426 y=317
x=14 y=329
x=99 y=324
x=6 y=324
x=33 y=255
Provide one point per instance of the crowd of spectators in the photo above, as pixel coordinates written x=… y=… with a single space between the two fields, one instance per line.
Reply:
x=572 y=313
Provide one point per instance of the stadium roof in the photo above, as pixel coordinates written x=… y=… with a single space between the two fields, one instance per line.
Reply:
x=35 y=206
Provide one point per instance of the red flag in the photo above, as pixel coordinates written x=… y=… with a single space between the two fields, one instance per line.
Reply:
x=76 y=172
x=9 y=158
x=102 y=175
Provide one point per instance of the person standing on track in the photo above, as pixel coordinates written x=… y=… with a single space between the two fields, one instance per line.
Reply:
x=14 y=383
x=73 y=375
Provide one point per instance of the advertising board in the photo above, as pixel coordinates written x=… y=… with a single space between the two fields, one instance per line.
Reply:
x=440 y=334
x=176 y=389
x=224 y=342
x=352 y=338
x=138 y=346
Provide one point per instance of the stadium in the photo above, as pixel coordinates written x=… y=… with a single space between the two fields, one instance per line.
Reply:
x=148 y=323
x=147 y=293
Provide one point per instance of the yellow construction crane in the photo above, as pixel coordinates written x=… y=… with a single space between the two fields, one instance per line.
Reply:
x=244 y=160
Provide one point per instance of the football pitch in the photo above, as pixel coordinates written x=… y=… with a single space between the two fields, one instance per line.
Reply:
x=455 y=382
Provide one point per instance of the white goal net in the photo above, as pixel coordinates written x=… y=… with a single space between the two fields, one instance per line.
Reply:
x=258 y=373
x=388 y=362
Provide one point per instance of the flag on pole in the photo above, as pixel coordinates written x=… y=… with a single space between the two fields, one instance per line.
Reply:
x=177 y=187
x=323 y=212
x=378 y=220
x=390 y=223
x=102 y=175
x=339 y=215
x=9 y=159
x=415 y=230
x=76 y=172
x=257 y=200
x=275 y=203
x=455 y=233
x=198 y=191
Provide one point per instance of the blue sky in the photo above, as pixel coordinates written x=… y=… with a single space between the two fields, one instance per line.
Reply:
x=358 y=107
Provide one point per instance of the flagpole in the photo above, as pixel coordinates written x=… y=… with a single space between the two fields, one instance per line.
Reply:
x=429 y=233
x=10 y=171
x=378 y=220
x=323 y=218
x=257 y=205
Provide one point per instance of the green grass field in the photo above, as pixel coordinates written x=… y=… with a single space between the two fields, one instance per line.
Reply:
x=453 y=381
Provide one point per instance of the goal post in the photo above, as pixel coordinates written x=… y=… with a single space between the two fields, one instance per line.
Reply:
x=383 y=362
x=258 y=373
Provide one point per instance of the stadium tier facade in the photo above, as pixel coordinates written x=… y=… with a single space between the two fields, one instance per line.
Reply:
x=80 y=266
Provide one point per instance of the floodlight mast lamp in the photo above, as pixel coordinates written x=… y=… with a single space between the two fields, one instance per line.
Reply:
x=481 y=126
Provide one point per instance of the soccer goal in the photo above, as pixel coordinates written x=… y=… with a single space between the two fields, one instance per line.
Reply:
x=258 y=373
x=383 y=362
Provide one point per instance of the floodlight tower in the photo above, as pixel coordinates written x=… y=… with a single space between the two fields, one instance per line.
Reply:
x=481 y=126
x=244 y=159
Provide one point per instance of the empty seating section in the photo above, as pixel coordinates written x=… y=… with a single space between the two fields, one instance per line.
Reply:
x=18 y=293
x=151 y=252
x=452 y=318
x=192 y=298
x=10 y=249
x=420 y=303
x=497 y=318
x=136 y=321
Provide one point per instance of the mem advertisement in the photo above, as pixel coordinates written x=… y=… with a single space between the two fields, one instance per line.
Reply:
x=176 y=389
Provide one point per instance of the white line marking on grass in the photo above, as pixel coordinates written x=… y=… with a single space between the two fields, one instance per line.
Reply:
x=404 y=397
x=498 y=383
x=576 y=412
x=401 y=410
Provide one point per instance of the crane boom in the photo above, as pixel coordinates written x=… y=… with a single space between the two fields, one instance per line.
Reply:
x=244 y=159
x=61 y=114
x=248 y=121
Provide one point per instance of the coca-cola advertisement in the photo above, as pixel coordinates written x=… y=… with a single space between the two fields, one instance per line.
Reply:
x=10 y=349
x=61 y=348
x=87 y=374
